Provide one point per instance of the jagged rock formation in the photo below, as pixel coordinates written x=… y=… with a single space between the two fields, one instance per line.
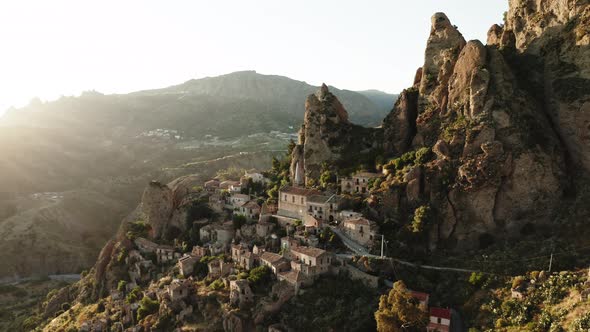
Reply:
x=327 y=136
x=499 y=121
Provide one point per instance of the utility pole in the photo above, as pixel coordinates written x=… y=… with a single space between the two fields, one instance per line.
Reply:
x=550 y=262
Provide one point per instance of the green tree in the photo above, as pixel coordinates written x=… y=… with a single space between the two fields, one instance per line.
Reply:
x=399 y=311
x=147 y=307
x=238 y=221
x=259 y=276
x=422 y=216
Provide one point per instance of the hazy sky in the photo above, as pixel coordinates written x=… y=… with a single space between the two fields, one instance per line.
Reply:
x=58 y=47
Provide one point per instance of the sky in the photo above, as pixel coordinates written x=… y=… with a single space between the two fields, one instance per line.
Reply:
x=63 y=47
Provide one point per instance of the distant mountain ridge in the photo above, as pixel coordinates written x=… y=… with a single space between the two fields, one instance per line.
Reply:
x=365 y=107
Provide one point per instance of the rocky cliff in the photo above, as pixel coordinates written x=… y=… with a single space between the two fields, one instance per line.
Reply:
x=508 y=123
x=327 y=136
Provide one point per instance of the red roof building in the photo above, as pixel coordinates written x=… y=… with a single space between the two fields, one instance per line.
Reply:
x=440 y=320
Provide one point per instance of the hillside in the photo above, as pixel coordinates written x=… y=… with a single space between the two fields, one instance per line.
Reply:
x=105 y=148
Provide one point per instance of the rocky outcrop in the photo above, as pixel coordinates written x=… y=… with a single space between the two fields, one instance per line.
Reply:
x=552 y=39
x=157 y=203
x=400 y=125
x=500 y=151
x=327 y=136
x=443 y=47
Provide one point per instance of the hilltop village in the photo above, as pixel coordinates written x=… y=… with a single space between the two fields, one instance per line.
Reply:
x=466 y=208
x=289 y=244
x=256 y=239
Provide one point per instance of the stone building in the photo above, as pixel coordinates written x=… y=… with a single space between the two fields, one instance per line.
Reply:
x=240 y=293
x=358 y=183
x=293 y=200
x=275 y=262
x=361 y=230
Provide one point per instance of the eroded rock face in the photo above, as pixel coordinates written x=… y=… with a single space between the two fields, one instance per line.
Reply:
x=489 y=128
x=442 y=50
x=326 y=135
x=553 y=38
x=400 y=125
x=157 y=204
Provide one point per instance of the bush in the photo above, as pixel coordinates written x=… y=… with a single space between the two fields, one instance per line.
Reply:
x=581 y=324
x=121 y=285
x=217 y=285
x=133 y=296
x=147 y=307
x=137 y=229
x=421 y=219
x=476 y=279
x=259 y=276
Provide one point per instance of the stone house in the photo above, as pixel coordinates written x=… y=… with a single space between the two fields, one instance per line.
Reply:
x=211 y=185
x=249 y=260
x=348 y=214
x=186 y=264
x=323 y=207
x=439 y=321
x=264 y=228
x=287 y=243
x=275 y=262
x=358 y=184
x=219 y=268
x=295 y=278
x=235 y=187
x=317 y=260
x=199 y=251
x=145 y=245
x=179 y=289
x=224 y=233
x=293 y=201
x=250 y=210
x=240 y=293
x=236 y=200
x=361 y=230
x=237 y=250
x=164 y=254
x=225 y=185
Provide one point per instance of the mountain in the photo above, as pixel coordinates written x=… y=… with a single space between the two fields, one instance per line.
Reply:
x=103 y=149
x=479 y=177
x=379 y=98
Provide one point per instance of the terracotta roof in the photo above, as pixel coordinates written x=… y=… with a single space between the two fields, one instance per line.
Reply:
x=292 y=276
x=420 y=296
x=309 y=251
x=440 y=313
x=270 y=257
x=299 y=191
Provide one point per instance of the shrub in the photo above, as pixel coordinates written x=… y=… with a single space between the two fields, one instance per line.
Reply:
x=121 y=285
x=581 y=324
x=421 y=219
x=259 y=276
x=147 y=307
x=137 y=229
x=517 y=282
x=476 y=279
x=217 y=285
x=133 y=296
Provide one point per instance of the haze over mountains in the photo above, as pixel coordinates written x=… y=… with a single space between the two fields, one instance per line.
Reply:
x=90 y=156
